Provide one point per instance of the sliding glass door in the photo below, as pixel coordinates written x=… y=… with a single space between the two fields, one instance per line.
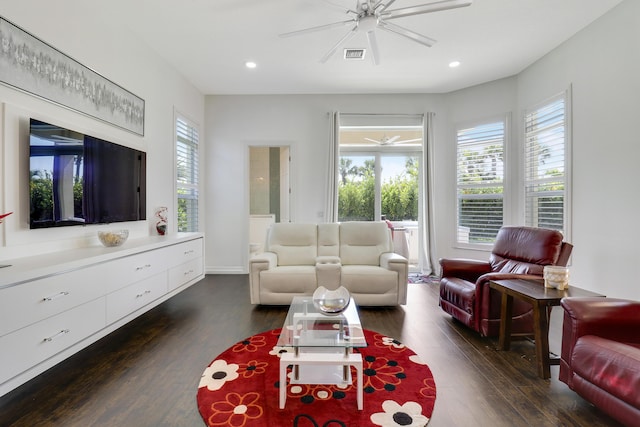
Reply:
x=379 y=177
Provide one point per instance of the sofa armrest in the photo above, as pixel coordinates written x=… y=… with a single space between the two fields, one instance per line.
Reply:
x=467 y=269
x=257 y=263
x=328 y=259
x=395 y=262
x=611 y=318
x=496 y=275
x=263 y=260
x=328 y=271
x=391 y=260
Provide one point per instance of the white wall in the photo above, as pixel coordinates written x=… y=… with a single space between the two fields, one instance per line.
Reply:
x=102 y=45
x=602 y=65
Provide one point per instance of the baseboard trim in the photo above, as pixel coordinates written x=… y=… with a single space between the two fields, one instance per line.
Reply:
x=225 y=270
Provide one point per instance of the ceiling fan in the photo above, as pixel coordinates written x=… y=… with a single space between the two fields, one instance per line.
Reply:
x=385 y=140
x=372 y=14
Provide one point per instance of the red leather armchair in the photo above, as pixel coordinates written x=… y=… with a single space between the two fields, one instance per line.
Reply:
x=519 y=252
x=600 y=357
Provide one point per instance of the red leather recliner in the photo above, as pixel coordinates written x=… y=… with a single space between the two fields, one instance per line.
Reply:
x=519 y=252
x=600 y=358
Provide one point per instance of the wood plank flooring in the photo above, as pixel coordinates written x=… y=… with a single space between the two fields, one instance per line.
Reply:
x=147 y=372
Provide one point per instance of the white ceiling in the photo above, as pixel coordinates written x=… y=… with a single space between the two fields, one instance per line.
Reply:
x=209 y=41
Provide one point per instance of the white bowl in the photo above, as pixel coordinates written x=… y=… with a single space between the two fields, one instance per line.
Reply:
x=113 y=238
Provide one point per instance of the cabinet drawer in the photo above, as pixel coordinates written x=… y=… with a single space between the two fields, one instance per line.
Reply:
x=186 y=251
x=29 y=346
x=127 y=300
x=31 y=302
x=181 y=274
x=135 y=268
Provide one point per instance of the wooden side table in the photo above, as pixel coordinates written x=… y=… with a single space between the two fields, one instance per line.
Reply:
x=542 y=299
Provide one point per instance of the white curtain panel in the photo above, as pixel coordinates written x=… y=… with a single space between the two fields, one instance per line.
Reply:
x=331 y=211
x=426 y=230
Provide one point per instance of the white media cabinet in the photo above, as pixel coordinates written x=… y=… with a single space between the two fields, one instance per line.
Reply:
x=54 y=305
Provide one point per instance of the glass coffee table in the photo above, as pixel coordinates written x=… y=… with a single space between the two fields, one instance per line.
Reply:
x=322 y=346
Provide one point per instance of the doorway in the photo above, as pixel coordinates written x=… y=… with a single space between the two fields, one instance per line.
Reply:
x=269 y=191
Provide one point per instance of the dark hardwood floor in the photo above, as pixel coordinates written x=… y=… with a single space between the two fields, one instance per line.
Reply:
x=147 y=372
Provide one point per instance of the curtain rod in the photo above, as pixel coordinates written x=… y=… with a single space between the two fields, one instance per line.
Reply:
x=383 y=114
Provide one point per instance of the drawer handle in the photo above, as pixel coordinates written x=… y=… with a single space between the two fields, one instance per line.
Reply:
x=143 y=294
x=143 y=267
x=59 y=334
x=189 y=252
x=187 y=273
x=56 y=296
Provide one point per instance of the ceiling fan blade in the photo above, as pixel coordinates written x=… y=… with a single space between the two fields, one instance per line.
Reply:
x=318 y=28
x=373 y=45
x=392 y=140
x=381 y=6
x=405 y=32
x=373 y=140
x=408 y=140
x=425 y=8
x=335 y=47
x=339 y=6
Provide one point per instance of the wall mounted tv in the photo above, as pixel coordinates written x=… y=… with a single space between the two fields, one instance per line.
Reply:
x=76 y=179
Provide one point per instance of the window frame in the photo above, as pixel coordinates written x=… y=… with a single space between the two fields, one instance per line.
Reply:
x=565 y=96
x=191 y=186
x=505 y=119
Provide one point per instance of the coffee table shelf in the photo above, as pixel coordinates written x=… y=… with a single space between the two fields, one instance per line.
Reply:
x=322 y=347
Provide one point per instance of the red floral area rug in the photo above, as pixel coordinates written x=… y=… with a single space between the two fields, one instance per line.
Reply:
x=241 y=388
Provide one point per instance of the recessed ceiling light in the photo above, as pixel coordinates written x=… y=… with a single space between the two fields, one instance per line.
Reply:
x=250 y=64
x=454 y=64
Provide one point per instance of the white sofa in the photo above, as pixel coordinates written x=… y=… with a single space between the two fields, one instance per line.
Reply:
x=295 y=255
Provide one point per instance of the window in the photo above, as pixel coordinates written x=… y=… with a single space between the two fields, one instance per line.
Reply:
x=546 y=145
x=187 y=174
x=480 y=182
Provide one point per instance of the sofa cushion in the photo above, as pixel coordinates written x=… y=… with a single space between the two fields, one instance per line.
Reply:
x=295 y=244
x=329 y=239
x=298 y=279
x=610 y=365
x=369 y=279
x=362 y=243
x=524 y=250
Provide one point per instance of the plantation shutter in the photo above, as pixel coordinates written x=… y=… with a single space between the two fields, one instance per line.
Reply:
x=480 y=182
x=187 y=175
x=545 y=169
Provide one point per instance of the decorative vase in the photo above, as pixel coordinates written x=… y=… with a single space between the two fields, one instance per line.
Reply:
x=161 y=224
x=331 y=301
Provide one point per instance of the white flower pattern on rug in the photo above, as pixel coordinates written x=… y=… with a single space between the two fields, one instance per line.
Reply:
x=395 y=415
x=217 y=374
x=392 y=342
x=278 y=350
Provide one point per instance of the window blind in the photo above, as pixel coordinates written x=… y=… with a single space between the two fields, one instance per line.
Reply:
x=545 y=169
x=480 y=182
x=187 y=175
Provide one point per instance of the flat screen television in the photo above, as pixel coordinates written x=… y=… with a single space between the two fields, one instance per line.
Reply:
x=76 y=179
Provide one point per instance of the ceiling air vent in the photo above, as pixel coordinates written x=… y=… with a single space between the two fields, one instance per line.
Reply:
x=354 y=53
